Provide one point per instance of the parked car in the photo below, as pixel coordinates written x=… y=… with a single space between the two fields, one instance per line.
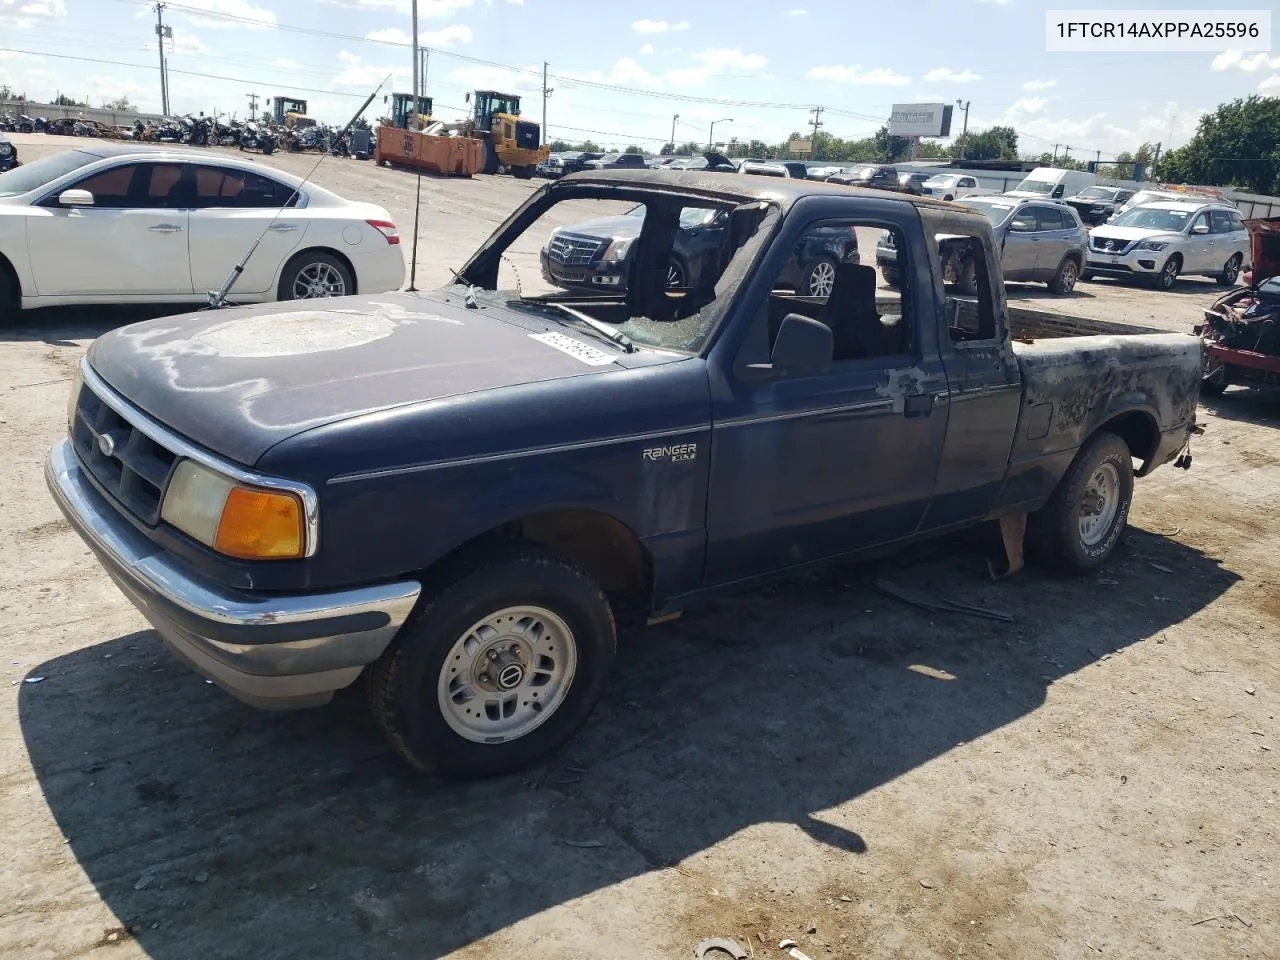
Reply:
x=912 y=183
x=1036 y=241
x=951 y=186
x=128 y=224
x=551 y=168
x=764 y=169
x=8 y=154
x=454 y=493
x=880 y=176
x=1161 y=241
x=1052 y=183
x=596 y=255
x=1095 y=205
x=796 y=168
x=689 y=163
x=616 y=161
x=1151 y=195
x=575 y=162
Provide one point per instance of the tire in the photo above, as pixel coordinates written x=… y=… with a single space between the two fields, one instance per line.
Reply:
x=819 y=278
x=268 y=148
x=891 y=277
x=524 y=172
x=1231 y=271
x=8 y=299
x=1061 y=531
x=1167 y=278
x=948 y=198
x=677 y=275
x=1064 y=281
x=313 y=269
x=483 y=605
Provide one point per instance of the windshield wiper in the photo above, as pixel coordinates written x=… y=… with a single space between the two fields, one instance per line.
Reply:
x=608 y=331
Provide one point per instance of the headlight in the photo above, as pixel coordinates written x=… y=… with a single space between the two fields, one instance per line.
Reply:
x=237 y=520
x=73 y=397
x=1156 y=245
x=618 y=249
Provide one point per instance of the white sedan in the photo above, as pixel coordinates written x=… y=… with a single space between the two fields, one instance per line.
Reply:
x=128 y=224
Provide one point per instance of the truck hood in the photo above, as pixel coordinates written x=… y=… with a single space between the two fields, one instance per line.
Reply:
x=241 y=380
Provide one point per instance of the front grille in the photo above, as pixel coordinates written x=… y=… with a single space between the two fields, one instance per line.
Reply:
x=128 y=464
x=1117 y=246
x=574 y=251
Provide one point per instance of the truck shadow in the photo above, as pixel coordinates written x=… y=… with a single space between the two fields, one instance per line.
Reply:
x=1246 y=405
x=64 y=326
x=210 y=829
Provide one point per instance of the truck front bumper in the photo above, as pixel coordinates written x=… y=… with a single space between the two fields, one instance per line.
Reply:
x=276 y=651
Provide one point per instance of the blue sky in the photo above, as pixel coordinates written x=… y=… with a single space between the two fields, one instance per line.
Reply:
x=847 y=56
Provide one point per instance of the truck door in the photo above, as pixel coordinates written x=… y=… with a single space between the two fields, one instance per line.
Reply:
x=808 y=467
x=985 y=389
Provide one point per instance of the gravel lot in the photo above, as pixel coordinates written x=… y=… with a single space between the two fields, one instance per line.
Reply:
x=1098 y=777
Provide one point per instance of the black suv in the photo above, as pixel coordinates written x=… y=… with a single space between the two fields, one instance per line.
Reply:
x=878 y=175
x=1096 y=204
x=617 y=161
x=596 y=254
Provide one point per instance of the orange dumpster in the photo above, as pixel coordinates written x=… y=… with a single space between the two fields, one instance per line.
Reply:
x=449 y=156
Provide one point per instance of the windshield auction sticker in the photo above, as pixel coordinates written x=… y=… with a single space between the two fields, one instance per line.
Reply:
x=1157 y=31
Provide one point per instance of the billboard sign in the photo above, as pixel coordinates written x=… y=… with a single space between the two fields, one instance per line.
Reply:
x=920 y=120
x=800 y=146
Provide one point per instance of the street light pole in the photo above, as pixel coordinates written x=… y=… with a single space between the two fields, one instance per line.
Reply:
x=964 y=105
x=711 y=134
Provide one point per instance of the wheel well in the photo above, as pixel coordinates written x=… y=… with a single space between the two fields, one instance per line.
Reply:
x=1138 y=430
x=15 y=293
x=346 y=262
x=602 y=545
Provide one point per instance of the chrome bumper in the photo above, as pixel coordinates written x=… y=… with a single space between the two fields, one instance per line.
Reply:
x=278 y=651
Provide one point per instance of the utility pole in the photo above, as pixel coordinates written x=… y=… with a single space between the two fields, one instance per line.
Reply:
x=964 y=129
x=1155 y=162
x=1055 y=153
x=816 y=123
x=426 y=60
x=162 y=33
x=1097 y=158
x=412 y=121
x=674 y=118
x=546 y=92
x=253 y=106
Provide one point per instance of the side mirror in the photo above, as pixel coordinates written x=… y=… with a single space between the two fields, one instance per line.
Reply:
x=1200 y=228
x=803 y=348
x=75 y=198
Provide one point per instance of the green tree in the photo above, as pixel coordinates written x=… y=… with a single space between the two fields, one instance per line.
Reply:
x=891 y=149
x=7 y=93
x=1236 y=145
x=633 y=149
x=560 y=146
x=690 y=148
x=121 y=104
x=668 y=148
x=994 y=143
x=62 y=100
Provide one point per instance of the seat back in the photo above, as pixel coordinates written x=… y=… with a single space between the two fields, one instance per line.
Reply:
x=851 y=313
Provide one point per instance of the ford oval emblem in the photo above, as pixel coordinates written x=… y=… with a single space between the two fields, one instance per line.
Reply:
x=107 y=445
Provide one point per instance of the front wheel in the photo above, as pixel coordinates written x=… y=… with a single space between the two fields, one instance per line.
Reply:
x=1230 y=271
x=819 y=279
x=499 y=668
x=1078 y=528
x=1064 y=281
x=313 y=275
x=1167 y=278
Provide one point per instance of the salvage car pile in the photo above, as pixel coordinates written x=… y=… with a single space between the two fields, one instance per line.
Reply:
x=1242 y=328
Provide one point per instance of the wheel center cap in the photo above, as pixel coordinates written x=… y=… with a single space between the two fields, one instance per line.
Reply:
x=511 y=676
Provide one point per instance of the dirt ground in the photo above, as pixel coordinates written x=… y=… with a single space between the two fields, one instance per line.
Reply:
x=1098 y=777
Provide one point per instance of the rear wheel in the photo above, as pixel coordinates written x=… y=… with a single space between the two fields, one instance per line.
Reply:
x=499 y=668
x=524 y=172
x=1167 y=278
x=314 y=274
x=1064 y=281
x=1079 y=527
x=676 y=275
x=1231 y=271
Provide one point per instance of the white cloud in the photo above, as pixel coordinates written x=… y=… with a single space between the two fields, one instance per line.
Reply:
x=1038 y=131
x=1035 y=85
x=713 y=62
x=234 y=13
x=998 y=3
x=447 y=37
x=188 y=43
x=284 y=63
x=356 y=73
x=626 y=72
x=1029 y=105
x=1234 y=58
x=659 y=26
x=44 y=8
x=24 y=14
x=947 y=75
x=646 y=50
x=880 y=76
x=797 y=12
x=1271 y=83
x=430 y=9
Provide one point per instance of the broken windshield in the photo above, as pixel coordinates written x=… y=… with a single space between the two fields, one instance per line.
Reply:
x=659 y=272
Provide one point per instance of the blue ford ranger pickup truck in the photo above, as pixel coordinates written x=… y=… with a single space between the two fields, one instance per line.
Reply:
x=451 y=493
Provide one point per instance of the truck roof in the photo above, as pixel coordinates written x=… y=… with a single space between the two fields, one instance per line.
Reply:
x=745 y=188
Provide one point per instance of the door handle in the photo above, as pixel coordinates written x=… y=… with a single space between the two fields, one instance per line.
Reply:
x=940 y=398
x=917 y=405
x=282 y=227
x=165 y=228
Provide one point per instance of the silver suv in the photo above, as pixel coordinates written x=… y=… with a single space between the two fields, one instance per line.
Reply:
x=1162 y=240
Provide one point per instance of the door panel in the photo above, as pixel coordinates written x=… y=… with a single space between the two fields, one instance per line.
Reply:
x=1021 y=243
x=128 y=244
x=232 y=209
x=1055 y=240
x=1197 y=252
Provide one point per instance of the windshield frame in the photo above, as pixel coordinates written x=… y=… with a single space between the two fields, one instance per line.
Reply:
x=1041 y=188
x=729 y=288
x=17 y=173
